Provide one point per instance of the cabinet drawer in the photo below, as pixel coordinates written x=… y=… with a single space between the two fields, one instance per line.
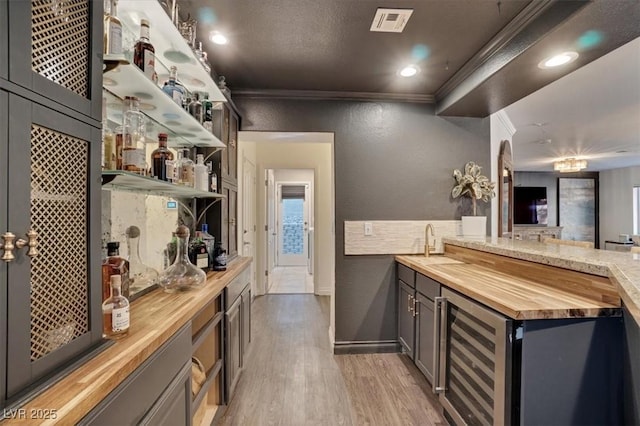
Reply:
x=407 y=275
x=133 y=398
x=236 y=286
x=427 y=286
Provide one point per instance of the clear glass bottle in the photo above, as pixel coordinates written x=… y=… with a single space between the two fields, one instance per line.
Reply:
x=115 y=312
x=182 y=275
x=186 y=170
x=141 y=276
x=213 y=178
x=159 y=158
x=112 y=29
x=201 y=174
x=195 y=107
x=144 y=53
x=115 y=265
x=210 y=241
x=133 y=132
x=174 y=90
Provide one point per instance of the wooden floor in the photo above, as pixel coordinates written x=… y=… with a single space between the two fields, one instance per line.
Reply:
x=293 y=378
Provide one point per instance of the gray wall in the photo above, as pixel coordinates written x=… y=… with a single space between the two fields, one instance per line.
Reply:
x=393 y=161
x=631 y=370
x=616 y=202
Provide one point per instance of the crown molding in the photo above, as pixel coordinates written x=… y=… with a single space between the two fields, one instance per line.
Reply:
x=504 y=119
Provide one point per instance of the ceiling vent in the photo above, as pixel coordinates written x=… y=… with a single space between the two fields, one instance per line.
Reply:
x=390 y=20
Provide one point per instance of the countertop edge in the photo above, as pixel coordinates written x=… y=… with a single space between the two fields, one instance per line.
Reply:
x=628 y=290
x=76 y=394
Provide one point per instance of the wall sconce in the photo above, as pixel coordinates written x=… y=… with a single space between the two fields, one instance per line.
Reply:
x=569 y=165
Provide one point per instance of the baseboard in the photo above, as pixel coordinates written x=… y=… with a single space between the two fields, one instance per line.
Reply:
x=366 y=347
x=324 y=292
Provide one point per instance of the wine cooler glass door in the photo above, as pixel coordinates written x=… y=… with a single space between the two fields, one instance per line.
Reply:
x=474 y=371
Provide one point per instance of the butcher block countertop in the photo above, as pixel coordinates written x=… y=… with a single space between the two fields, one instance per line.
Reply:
x=623 y=269
x=155 y=317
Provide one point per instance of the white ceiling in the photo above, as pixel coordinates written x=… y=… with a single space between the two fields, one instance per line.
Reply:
x=592 y=113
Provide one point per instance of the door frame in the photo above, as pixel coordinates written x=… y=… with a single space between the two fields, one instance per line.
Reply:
x=307 y=214
x=249 y=213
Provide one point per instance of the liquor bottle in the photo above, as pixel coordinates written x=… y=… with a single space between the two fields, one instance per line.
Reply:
x=210 y=241
x=207 y=113
x=134 y=129
x=109 y=145
x=182 y=274
x=119 y=147
x=115 y=312
x=195 y=108
x=219 y=257
x=115 y=265
x=141 y=276
x=201 y=174
x=112 y=29
x=213 y=178
x=199 y=253
x=144 y=52
x=159 y=158
x=172 y=88
x=186 y=172
x=202 y=57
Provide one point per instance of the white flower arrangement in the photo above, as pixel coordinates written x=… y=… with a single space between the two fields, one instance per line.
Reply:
x=473 y=184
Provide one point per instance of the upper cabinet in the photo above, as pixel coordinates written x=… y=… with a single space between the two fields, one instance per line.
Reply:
x=55 y=50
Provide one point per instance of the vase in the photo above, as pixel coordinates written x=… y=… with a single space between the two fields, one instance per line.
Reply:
x=474 y=227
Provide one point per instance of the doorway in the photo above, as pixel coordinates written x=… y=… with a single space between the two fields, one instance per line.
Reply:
x=290 y=215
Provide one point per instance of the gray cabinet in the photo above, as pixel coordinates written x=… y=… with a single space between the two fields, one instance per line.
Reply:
x=246 y=321
x=406 y=319
x=157 y=392
x=233 y=347
x=55 y=50
x=4 y=39
x=4 y=188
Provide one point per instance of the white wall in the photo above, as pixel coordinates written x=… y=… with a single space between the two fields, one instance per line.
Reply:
x=501 y=129
x=616 y=202
x=301 y=155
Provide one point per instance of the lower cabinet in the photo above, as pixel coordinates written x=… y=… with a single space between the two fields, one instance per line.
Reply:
x=425 y=326
x=237 y=329
x=157 y=392
x=406 y=319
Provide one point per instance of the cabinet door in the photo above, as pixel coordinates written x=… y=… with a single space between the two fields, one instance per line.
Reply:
x=55 y=50
x=232 y=203
x=221 y=130
x=173 y=408
x=233 y=361
x=54 y=305
x=246 y=321
x=425 y=332
x=406 y=321
x=4 y=183
x=232 y=148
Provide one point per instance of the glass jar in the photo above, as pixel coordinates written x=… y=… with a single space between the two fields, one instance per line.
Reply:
x=141 y=276
x=182 y=275
x=134 y=131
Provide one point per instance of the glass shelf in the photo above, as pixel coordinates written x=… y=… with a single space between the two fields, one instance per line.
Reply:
x=128 y=80
x=127 y=181
x=171 y=48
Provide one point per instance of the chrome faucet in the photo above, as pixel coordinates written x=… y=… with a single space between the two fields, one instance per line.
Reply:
x=427 y=247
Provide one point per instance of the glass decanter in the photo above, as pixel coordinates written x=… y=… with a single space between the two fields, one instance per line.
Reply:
x=141 y=276
x=182 y=275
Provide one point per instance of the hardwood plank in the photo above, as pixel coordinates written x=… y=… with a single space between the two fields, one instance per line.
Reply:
x=293 y=378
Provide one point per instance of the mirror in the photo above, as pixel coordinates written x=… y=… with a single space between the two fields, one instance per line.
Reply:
x=505 y=190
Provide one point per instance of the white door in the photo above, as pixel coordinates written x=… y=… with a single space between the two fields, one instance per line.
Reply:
x=271 y=227
x=249 y=215
x=293 y=224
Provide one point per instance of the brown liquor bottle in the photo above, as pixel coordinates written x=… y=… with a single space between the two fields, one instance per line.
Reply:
x=144 y=52
x=159 y=158
x=114 y=265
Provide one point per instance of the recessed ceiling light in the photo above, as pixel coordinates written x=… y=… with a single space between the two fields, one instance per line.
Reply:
x=557 y=60
x=218 y=38
x=409 y=71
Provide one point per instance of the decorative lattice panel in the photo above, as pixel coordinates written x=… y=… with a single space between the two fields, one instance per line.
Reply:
x=59 y=273
x=60 y=42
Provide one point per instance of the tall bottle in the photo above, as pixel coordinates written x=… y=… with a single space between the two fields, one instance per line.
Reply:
x=114 y=265
x=144 y=55
x=172 y=88
x=115 y=311
x=213 y=178
x=141 y=276
x=201 y=174
x=219 y=257
x=210 y=241
x=182 y=274
x=207 y=113
x=186 y=170
x=195 y=107
x=199 y=253
x=112 y=29
x=159 y=158
x=133 y=129
x=108 y=140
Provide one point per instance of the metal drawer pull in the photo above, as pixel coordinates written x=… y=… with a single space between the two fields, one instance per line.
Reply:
x=9 y=245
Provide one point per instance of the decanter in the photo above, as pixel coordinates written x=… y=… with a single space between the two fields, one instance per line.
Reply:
x=141 y=276
x=182 y=275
